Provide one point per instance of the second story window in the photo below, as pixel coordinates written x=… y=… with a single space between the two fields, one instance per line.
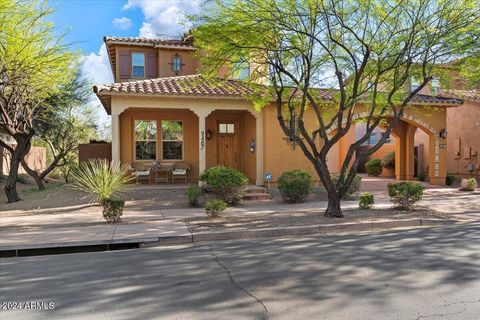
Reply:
x=414 y=84
x=435 y=87
x=242 y=70
x=138 y=65
x=176 y=64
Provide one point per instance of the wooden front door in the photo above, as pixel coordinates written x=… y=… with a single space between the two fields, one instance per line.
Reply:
x=228 y=153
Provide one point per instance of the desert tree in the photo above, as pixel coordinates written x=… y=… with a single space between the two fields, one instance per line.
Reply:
x=66 y=120
x=364 y=52
x=33 y=63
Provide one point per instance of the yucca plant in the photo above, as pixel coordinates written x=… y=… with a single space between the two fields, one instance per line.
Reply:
x=104 y=181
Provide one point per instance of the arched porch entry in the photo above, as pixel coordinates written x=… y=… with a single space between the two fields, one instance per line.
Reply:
x=404 y=134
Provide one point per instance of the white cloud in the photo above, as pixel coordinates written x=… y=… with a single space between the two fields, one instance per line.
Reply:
x=96 y=66
x=122 y=23
x=164 y=18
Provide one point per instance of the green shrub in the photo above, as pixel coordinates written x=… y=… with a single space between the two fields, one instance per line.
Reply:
x=113 y=209
x=354 y=187
x=422 y=176
x=468 y=184
x=215 y=207
x=389 y=160
x=105 y=182
x=405 y=193
x=366 y=200
x=227 y=183
x=374 y=167
x=295 y=185
x=22 y=179
x=193 y=193
x=450 y=180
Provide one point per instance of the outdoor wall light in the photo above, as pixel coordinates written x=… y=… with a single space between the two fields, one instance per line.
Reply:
x=208 y=134
x=253 y=145
x=443 y=133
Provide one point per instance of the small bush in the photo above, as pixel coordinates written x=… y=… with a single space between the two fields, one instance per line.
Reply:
x=366 y=200
x=193 y=193
x=422 y=176
x=295 y=185
x=215 y=207
x=374 y=167
x=354 y=187
x=22 y=179
x=405 y=193
x=113 y=209
x=450 y=180
x=468 y=184
x=227 y=183
x=389 y=160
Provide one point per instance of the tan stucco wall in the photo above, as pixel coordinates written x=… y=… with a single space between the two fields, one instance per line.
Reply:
x=280 y=156
x=36 y=160
x=165 y=56
x=190 y=63
x=133 y=108
x=90 y=151
x=190 y=135
x=463 y=125
x=427 y=118
x=246 y=131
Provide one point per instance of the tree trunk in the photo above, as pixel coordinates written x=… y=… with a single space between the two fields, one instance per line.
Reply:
x=333 y=207
x=11 y=183
x=34 y=175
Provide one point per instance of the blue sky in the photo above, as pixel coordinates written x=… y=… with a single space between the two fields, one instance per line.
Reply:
x=88 y=21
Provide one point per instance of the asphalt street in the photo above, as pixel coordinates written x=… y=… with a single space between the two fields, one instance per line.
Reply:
x=429 y=273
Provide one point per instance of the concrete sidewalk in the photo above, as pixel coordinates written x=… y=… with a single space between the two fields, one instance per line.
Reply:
x=167 y=226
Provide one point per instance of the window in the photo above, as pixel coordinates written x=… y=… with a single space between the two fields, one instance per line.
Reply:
x=172 y=140
x=435 y=86
x=138 y=65
x=226 y=128
x=242 y=70
x=176 y=64
x=373 y=138
x=414 y=84
x=145 y=140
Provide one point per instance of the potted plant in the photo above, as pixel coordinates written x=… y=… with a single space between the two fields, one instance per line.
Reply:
x=104 y=181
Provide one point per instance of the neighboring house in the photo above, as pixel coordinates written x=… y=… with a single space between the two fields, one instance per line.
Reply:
x=163 y=110
x=463 y=134
x=462 y=131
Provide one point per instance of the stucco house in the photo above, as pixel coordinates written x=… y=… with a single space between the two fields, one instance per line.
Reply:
x=462 y=131
x=162 y=109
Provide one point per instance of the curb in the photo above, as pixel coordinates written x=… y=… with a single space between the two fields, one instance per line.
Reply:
x=143 y=242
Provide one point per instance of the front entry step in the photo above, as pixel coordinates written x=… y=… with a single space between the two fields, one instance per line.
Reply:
x=256 y=193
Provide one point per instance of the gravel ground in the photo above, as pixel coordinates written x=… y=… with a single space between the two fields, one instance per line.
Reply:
x=287 y=219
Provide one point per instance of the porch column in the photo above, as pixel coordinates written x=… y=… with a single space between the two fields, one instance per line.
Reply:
x=202 y=155
x=202 y=113
x=115 y=136
x=259 y=147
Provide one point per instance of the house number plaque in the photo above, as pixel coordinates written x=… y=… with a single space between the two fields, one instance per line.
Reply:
x=202 y=140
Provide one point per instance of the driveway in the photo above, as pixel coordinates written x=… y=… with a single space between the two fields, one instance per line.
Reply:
x=415 y=274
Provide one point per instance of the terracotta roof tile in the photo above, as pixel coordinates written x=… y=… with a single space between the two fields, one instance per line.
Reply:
x=198 y=85
x=472 y=95
x=151 y=41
